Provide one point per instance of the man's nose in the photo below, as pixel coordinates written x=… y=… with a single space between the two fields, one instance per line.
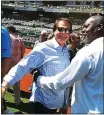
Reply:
x=83 y=30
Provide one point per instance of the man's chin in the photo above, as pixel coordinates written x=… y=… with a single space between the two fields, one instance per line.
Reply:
x=63 y=39
x=85 y=40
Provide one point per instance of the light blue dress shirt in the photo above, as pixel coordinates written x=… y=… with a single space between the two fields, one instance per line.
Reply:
x=50 y=58
x=86 y=71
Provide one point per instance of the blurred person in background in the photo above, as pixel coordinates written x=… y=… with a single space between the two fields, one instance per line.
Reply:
x=50 y=58
x=5 y=60
x=74 y=43
x=42 y=38
x=18 y=50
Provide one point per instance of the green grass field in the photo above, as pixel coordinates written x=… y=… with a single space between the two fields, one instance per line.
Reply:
x=23 y=108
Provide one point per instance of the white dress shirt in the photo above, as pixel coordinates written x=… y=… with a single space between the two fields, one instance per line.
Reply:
x=86 y=71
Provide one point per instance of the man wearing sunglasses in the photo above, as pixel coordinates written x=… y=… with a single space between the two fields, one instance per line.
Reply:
x=50 y=58
x=86 y=71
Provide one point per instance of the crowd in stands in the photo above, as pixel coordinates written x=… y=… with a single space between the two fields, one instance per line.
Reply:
x=32 y=29
x=71 y=6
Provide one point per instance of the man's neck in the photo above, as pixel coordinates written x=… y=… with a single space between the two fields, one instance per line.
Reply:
x=73 y=46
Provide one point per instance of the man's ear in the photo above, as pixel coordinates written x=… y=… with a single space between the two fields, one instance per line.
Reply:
x=100 y=26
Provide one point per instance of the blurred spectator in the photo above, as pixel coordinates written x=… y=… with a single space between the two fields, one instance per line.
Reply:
x=5 y=51
x=43 y=37
x=18 y=50
x=74 y=43
x=5 y=60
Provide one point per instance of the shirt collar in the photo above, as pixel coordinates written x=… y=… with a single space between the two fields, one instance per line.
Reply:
x=56 y=45
x=101 y=39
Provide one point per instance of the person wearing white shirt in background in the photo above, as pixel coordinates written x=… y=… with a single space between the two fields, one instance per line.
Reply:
x=85 y=71
x=42 y=38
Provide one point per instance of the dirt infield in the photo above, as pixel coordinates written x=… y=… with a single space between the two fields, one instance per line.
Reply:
x=27 y=79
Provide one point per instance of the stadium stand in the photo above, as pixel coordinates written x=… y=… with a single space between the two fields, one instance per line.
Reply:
x=30 y=29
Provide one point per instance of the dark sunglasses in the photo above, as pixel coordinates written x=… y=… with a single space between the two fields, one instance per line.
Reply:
x=66 y=30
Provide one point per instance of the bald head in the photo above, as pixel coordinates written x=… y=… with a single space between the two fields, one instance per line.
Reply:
x=98 y=19
x=93 y=28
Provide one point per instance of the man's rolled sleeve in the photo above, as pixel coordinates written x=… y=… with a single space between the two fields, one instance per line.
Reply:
x=9 y=79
